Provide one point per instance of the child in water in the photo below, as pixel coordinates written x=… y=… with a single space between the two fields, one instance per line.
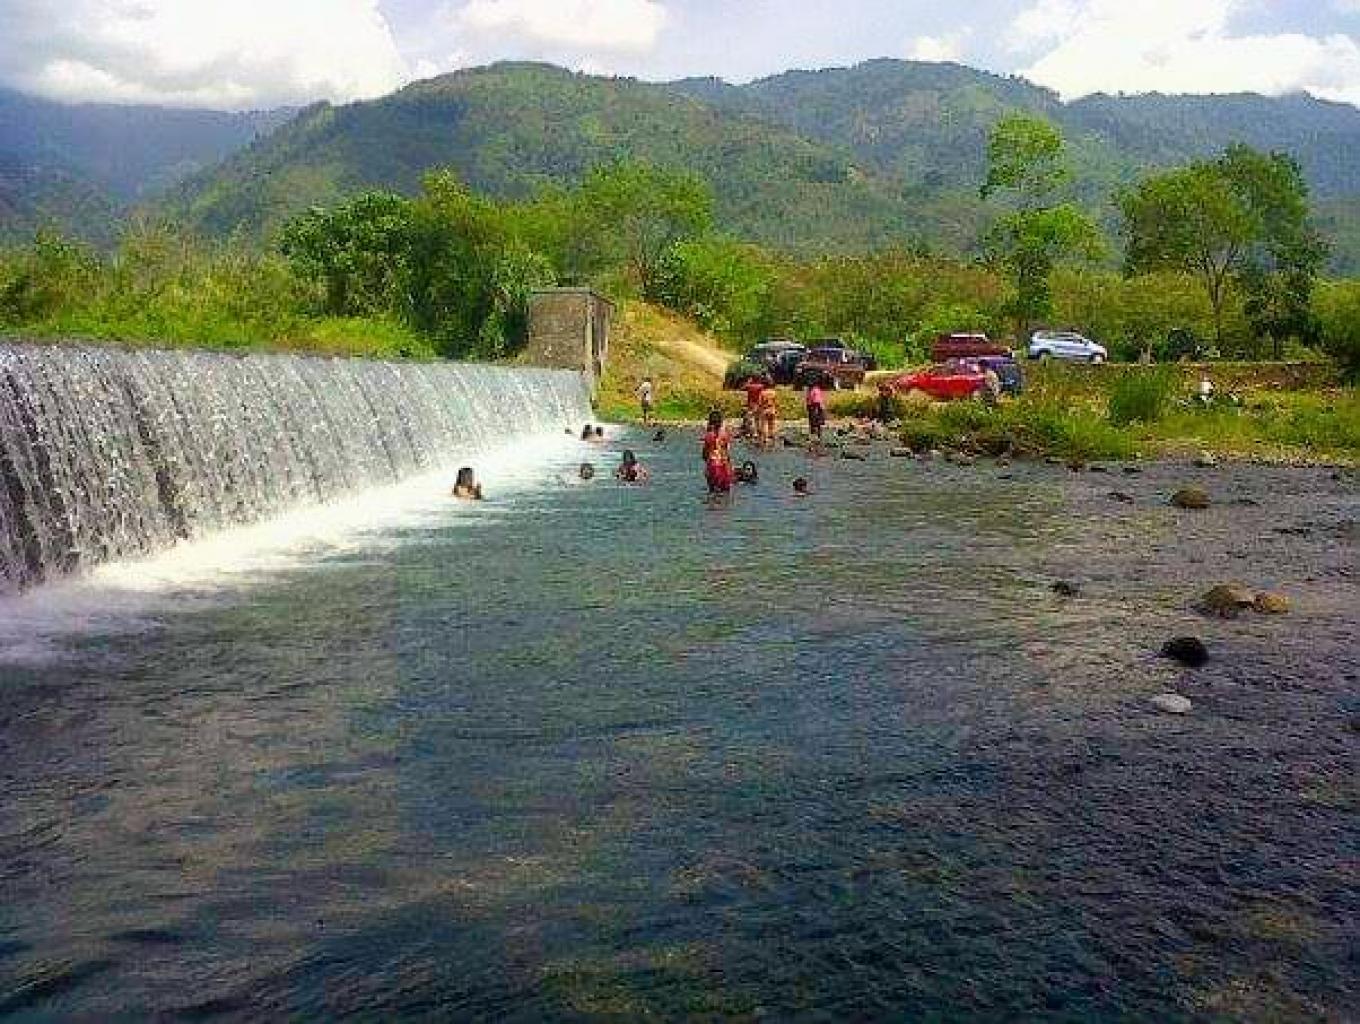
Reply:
x=800 y=487
x=631 y=471
x=717 y=453
x=466 y=487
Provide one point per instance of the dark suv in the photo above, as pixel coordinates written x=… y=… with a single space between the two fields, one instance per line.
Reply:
x=831 y=368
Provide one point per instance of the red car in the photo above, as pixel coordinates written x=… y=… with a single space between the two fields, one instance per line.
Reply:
x=946 y=383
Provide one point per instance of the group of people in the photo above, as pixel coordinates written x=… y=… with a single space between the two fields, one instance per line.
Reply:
x=761 y=416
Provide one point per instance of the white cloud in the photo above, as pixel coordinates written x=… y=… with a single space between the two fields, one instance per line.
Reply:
x=619 y=26
x=206 y=53
x=936 y=48
x=1177 y=46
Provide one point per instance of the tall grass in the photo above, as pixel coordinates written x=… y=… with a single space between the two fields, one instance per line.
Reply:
x=1143 y=396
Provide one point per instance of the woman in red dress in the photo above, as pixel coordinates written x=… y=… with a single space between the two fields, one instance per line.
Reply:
x=717 y=455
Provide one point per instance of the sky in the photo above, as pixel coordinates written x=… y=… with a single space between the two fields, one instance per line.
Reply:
x=250 y=54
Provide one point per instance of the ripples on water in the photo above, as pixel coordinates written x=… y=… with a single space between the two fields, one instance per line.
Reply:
x=588 y=751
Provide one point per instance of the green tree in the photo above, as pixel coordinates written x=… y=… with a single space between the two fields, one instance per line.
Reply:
x=639 y=212
x=357 y=250
x=1027 y=170
x=1282 y=267
x=1243 y=220
x=722 y=283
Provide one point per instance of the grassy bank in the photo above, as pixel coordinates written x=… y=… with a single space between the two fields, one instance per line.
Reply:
x=1280 y=412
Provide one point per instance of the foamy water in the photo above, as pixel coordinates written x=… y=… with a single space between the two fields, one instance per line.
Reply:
x=123 y=597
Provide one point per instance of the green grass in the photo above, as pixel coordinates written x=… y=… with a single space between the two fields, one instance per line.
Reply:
x=1142 y=397
x=1025 y=429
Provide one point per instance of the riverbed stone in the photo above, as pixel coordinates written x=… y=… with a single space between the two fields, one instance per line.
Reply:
x=1122 y=496
x=1172 y=704
x=1191 y=498
x=1187 y=650
x=1272 y=603
x=1227 y=600
x=1067 y=588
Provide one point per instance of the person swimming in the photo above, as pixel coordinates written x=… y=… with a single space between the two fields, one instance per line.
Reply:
x=717 y=455
x=587 y=471
x=800 y=487
x=747 y=473
x=630 y=470
x=587 y=432
x=466 y=486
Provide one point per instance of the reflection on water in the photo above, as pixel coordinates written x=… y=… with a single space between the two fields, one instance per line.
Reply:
x=588 y=751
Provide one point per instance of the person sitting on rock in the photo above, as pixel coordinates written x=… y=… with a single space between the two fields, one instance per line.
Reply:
x=466 y=486
x=631 y=471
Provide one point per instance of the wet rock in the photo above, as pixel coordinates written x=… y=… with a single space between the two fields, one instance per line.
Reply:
x=903 y=453
x=1122 y=497
x=1186 y=650
x=1133 y=470
x=1207 y=460
x=851 y=455
x=1097 y=468
x=1067 y=588
x=1247 y=503
x=1193 y=498
x=1227 y=600
x=1172 y=704
x=1270 y=603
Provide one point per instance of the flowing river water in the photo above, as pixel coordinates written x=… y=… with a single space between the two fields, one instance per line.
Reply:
x=593 y=752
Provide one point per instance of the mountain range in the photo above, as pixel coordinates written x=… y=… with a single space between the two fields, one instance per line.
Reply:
x=808 y=161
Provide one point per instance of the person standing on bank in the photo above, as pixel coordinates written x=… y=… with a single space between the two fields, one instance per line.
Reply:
x=816 y=410
x=646 y=395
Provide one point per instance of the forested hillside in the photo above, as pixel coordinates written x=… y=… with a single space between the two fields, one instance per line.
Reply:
x=80 y=167
x=811 y=162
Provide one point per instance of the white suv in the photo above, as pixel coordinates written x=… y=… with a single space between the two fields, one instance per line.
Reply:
x=1066 y=345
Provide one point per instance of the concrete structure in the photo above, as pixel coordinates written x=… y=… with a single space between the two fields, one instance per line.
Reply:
x=569 y=329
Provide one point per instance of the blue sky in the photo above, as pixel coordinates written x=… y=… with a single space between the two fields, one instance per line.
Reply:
x=250 y=53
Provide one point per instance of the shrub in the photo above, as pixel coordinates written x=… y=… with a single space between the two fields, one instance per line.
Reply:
x=1142 y=396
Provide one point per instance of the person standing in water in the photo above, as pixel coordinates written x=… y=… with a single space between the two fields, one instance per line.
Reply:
x=646 y=395
x=816 y=410
x=750 y=419
x=767 y=416
x=717 y=453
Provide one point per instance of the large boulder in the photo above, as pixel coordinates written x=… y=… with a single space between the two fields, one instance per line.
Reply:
x=1227 y=600
x=1268 y=603
x=1192 y=498
x=1186 y=650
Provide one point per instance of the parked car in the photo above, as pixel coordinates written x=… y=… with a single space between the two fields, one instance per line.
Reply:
x=1066 y=345
x=831 y=368
x=950 y=381
x=1008 y=370
x=965 y=346
x=778 y=357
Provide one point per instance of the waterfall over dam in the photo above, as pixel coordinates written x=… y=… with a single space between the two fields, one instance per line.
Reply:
x=108 y=453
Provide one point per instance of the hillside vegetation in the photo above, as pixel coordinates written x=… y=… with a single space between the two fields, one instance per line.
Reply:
x=811 y=163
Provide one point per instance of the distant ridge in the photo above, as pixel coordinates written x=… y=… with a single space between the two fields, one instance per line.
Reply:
x=810 y=161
